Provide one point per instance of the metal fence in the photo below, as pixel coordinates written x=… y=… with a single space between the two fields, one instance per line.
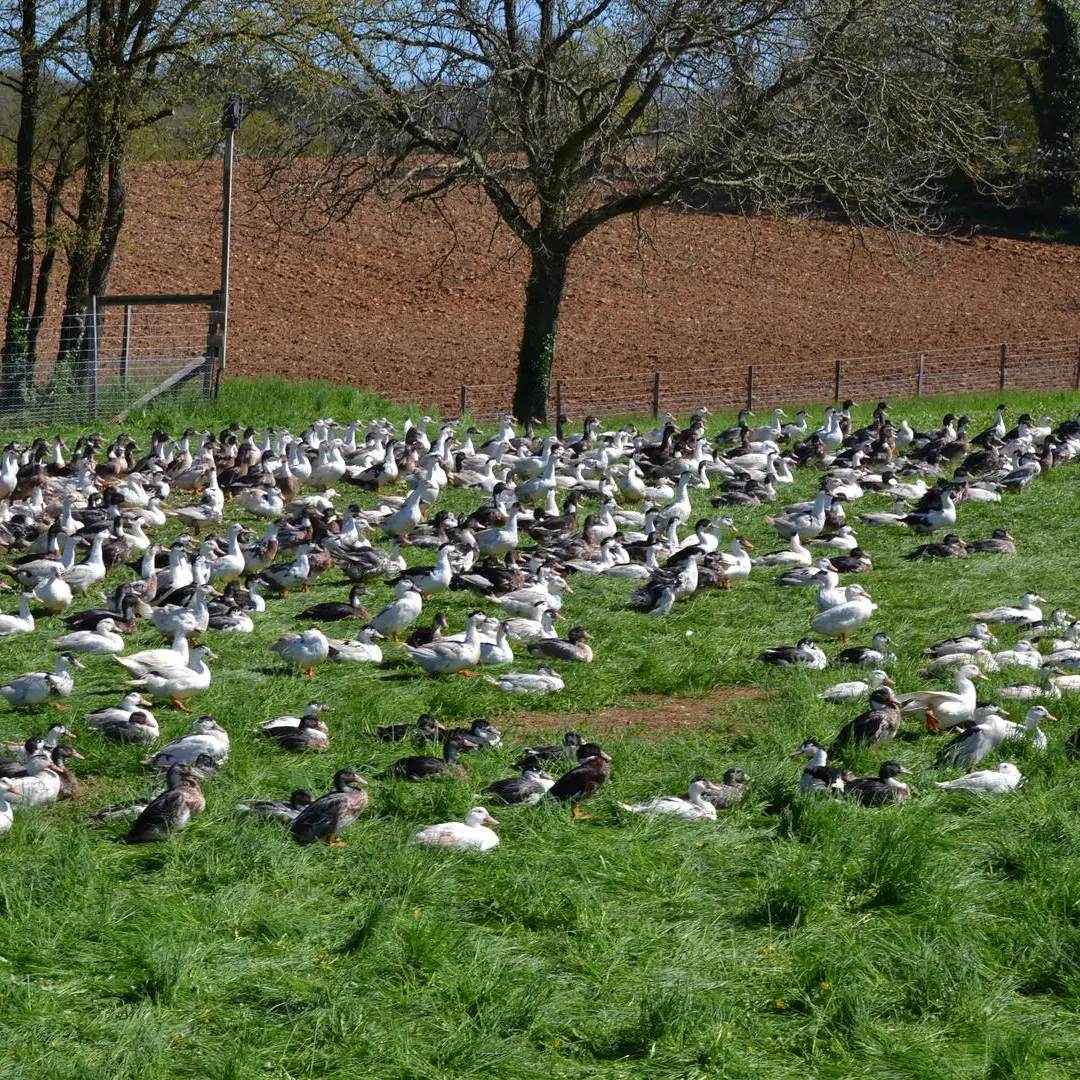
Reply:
x=1025 y=365
x=128 y=351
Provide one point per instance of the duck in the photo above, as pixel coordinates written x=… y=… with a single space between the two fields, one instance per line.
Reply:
x=173 y=809
x=117 y=714
x=472 y=834
x=1047 y=686
x=336 y=611
x=39 y=786
x=983 y=659
x=568 y=748
x=280 y=810
x=157 y=659
x=853 y=691
x=881 y=789
x=998 y=543
x=426 y=728
x=283 y=577
x=524 y=790
x=309 y=734
x=573 y=648
x=818 y=777
x=139 y=729
x=932 y=518
x=730 y=792
x=876 y=655
x=807 y=653
x=1005 y=778
x=21 y=623
x=845 y=618
x=178 y=683
x=427 y=767
x=333 y=812
x=807 y=523
x=280 y=725
x=585 y=780
x=878 y=724
x=978 y=639
x=7 y=813
x=433 y=579
x=793 y=555
x=944 y=709
x=303 y=650
x=820 y=574
x=479 y=735
x=102 y=641
x=1022 y=654
x=397 y=616
x=691 y=807
x=361 y=649
x=498 y=651
x=52 y=592
x=170 y=619
x=207 y=737
x=445 y=657
x=952 y=547
x=1027 y=614
x=544 y=680
x=36 y=687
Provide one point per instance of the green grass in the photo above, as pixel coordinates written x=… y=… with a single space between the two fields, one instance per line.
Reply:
x=794 y=938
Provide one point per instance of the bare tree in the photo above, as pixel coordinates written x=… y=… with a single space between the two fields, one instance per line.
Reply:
x=569 y=113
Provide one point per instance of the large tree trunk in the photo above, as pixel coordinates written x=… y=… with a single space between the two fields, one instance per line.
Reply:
x=536 y=357
x=18 y=368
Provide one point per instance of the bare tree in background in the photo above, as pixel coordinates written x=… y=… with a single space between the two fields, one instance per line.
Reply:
x=570 y=113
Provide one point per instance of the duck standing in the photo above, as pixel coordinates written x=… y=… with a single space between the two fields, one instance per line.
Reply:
x=584 y=781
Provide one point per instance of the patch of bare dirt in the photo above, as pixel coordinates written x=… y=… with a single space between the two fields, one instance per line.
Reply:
x=411 y=298
x=645 y=715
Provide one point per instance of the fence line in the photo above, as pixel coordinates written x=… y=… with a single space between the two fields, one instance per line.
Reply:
x=1023 y=365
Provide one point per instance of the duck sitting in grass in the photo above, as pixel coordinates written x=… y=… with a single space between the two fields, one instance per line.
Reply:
x=36 y=687
x=182 y=800
x=584 y=781
x=451 y=657
x=334 y=812
x=691 y=807
x=303 y=650
x=472 y=834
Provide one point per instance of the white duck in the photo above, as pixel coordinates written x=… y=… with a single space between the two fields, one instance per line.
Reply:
x=101 y=641
x=281 y=725
x=854 y=691
x=206 y=737
x=944 y=709
x=52 y=591
x=498 y=651
x=737 y=564
x=40 y=785
x=178 y=683
x=691 y=808
x=157 y=659
x=845 y=618
x=36 y=687
x=997 y=781
x=1027 y=614
x=403 y=520
x=544 y=680
x=794 y=555
x=7 y=817
x=1022 y=654
x=361 y=649
x=444 y=657
x=498 y=541
x=806 y=523
x=82 y=577
x=23 y=623
x=397 y=616
x=1029 y=731
x=229 y=566
x=173 y=619
x=118 y=714
x=983 y=658
x=303 y=650
x=472 y=834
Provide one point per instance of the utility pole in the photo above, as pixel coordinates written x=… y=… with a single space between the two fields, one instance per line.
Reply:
x=230 y=121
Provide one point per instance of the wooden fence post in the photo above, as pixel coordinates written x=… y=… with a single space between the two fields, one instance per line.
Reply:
x=920 y=374
x=125 y=346
x=1078 y=363
x=750 y=387
x=1004 y=364
x=463 y=400
x=91 y=353
x=656 y=394
x=838 y=381
x=558 y=404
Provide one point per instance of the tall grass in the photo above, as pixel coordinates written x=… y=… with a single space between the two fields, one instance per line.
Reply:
x=796 y=937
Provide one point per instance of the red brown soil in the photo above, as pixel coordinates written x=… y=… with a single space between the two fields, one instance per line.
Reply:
x=394 y=300
x=647 y=715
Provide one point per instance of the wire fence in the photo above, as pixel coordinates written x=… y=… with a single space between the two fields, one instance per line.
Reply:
x=1025 y=365
x=122 y=355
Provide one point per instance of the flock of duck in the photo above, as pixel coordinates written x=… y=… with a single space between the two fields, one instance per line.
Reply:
x=640 y=528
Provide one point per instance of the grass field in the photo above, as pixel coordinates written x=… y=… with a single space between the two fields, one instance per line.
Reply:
x=796 y=937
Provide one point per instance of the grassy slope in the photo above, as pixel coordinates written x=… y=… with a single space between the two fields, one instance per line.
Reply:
x=794 y=938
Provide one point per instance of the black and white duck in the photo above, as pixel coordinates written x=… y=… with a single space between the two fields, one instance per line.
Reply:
x=574 y=647
x=876 y=725
x=524 y=790
x=881 y=789
x=584 y=781
x=284 y=811
x=806 y=654
x=426 y=767
x=336 y=610
x=818 y=776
